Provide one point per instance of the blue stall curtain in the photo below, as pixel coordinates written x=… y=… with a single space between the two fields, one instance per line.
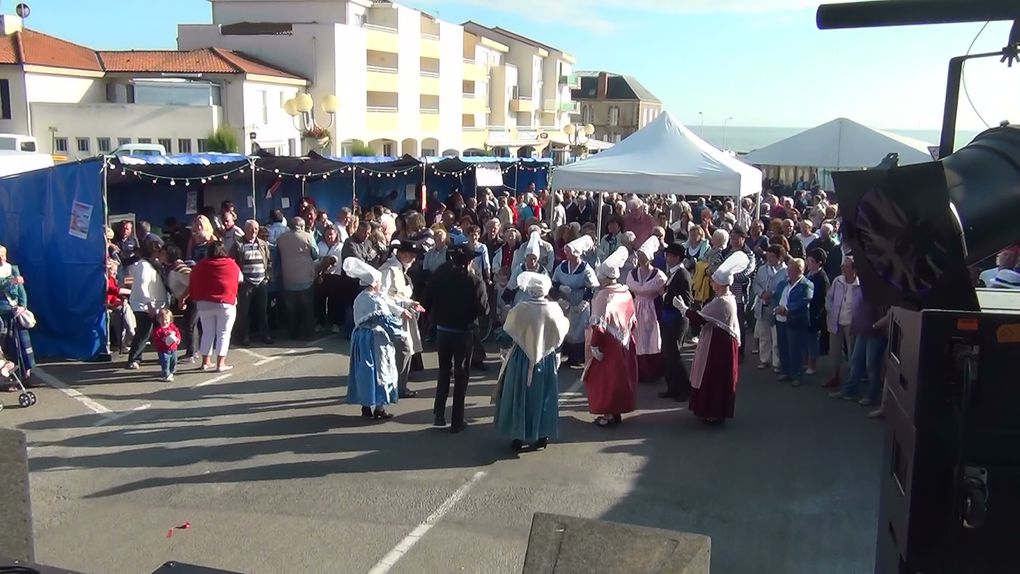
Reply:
x=51 y=222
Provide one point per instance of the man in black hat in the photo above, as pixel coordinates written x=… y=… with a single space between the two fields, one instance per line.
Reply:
x=456 y=298
x=396 y=283
x=674 y=325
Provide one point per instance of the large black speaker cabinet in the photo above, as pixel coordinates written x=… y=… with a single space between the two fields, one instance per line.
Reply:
x=950 y=487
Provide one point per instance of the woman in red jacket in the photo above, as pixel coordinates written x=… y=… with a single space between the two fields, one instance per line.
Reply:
x=213 y=289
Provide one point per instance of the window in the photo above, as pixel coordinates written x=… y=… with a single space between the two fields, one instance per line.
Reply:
x=184 y=146
x=203 y=145
x=167 y=144
x=617 y=138
x=60 y=145
x=145 y=140
x=292 y=148
x=123 y=141
x=103 y=145
x=264 y=99
x=588 y=114
x=614 y=116
x=84 y=144
x=5 y=99
x=427 y=152
x=387 y=149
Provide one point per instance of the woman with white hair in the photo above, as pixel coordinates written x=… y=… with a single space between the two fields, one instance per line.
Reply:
x=527 y=390
x=611 y=372
x=716 y=370
x=372 y=378
x=574 y=282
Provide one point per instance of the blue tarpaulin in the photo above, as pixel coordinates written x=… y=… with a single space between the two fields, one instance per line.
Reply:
x=51 y=222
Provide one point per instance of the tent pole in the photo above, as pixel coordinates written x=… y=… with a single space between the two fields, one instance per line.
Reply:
x=106 y=223
x=254 y=196
x=598 y=226
x=354 y=188
x=517 y=176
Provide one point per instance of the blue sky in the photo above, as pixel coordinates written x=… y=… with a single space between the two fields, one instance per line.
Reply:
x=761 y=62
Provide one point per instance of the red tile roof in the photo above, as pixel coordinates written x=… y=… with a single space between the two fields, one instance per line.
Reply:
x=35 y=48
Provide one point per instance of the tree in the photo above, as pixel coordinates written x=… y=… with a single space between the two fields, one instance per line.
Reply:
x=223 y=140
x=360 y=149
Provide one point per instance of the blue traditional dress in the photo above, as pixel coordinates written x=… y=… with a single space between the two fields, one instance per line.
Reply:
x=582 y=282
x=527 y=391
x=372 y=379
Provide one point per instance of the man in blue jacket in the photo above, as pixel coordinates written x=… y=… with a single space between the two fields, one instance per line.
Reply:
x=794 y=299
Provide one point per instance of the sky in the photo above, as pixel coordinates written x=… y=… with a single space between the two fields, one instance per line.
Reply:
x=759 y=62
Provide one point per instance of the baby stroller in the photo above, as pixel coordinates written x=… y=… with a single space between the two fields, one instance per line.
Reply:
x=11 y=373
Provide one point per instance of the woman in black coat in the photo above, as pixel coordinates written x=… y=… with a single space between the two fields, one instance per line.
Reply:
x=816 y=314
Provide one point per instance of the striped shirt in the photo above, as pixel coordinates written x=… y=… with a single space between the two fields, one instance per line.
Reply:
x=253 y=264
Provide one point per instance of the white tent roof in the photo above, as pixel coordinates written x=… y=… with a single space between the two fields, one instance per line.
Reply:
x=840 y=144
x=662 y=157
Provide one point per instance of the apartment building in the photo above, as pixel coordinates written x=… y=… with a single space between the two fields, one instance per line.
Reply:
x=78 y=102
x=616 y=105
x=529 y=89
x=397 y=72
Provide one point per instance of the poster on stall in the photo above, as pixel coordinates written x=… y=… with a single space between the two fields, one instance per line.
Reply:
x=285 y=202
x=81 y=218
x=409 y=192
x=191 y=208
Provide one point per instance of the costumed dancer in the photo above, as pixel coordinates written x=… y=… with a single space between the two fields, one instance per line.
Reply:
x=611 y=372
x=373 y=376
x=527 y=391
x=514 y=293
x=396 y=283
x=715 y=371
x=574 y=282
x=647 y=284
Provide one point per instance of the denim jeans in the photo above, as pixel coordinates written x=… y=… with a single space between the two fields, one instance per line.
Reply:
x=793 y=342
x=167 y=363
x=866 y=364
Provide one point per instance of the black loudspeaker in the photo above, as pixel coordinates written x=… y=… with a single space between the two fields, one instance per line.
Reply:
x=17 y=566
x=950 y=488
x=181 y=568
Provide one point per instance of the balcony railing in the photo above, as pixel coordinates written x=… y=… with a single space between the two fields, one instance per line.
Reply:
x=470 y=61
x=571 y=81
x=383 y=69
x=381 y=28
x=382 y=109
x=427 y=36
x=429 y=110
x=429 y=74
x=469 y=95
x=473 y=128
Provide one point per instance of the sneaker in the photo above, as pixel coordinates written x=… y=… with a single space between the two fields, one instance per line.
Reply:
x=777 y=370
x=170 y=378
x=762 y=366
x=866 y=402
x=795 y=383
x=190 y=360
x=133 y=366
x=809 y=371
x=754 y=351
x=877 y=414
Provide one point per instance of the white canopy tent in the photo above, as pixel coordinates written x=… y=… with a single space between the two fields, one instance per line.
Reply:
x=662 y=157
x=839 y=145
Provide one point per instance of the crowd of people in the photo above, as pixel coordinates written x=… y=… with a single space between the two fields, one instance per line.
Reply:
x=616 y=287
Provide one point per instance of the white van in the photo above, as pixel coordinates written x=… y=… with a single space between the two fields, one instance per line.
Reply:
x=14 y=162
x=140 y=150
x=18 y=142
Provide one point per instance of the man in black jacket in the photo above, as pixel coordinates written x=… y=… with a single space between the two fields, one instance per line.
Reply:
x=674 y=325
x=456 y=298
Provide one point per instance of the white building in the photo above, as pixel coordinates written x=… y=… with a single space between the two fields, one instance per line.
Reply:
x=396 y=72
x=78 y=102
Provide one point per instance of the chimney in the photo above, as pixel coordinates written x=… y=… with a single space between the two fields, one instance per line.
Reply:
x=9 y=24
x=602 y=89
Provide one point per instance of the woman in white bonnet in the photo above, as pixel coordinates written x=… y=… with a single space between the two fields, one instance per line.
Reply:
x=527 y=392
x=372 y=378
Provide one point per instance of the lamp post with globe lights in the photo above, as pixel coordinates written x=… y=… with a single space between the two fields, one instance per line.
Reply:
x=578 y=137
x=302 y=109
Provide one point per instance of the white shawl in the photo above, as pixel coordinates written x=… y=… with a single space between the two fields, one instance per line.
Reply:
x=538 y=327
x=722 y=312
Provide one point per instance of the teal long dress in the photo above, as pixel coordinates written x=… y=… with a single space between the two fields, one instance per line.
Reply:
x=528 y=413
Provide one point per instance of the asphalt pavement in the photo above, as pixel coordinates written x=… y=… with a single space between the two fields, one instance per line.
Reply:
x=272 y=472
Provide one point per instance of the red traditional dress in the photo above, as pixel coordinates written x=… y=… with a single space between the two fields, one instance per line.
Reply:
x=612 y=381
x=715 y=371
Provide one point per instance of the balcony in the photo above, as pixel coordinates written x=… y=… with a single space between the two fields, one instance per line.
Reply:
x=429 y=120
x=430 y=46
x=382 y=119
x=475 y=72
x=572 y=81
x=570 y=107
x=382 y=79
x=522 y=104
x=550 y=106
x=474 y=105
x=429 y=83
x=381 y=38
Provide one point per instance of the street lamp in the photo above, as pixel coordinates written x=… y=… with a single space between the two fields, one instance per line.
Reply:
x=302 y=109
x=254 y=146
x=578 y=137
x=724 y=125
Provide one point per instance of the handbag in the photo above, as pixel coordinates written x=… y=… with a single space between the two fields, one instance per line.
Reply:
x=24 y=317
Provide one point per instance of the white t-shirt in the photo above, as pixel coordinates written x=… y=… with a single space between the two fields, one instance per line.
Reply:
x=846 y=308
x=807 y=240
x=325 y=250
